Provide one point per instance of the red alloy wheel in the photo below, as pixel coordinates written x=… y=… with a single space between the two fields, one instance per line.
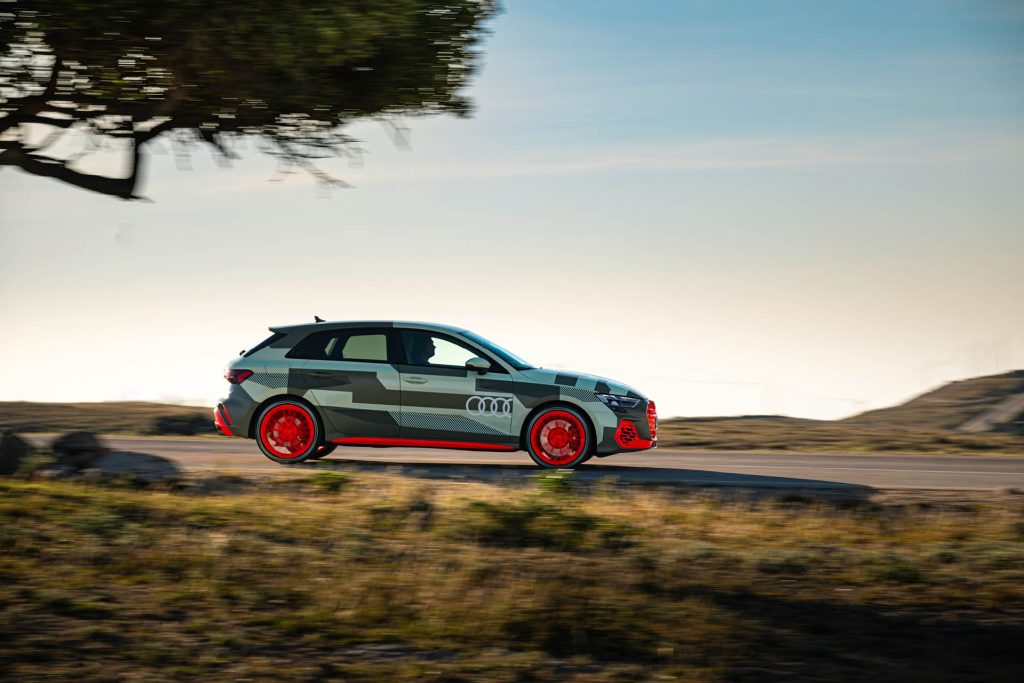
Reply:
x=558 y=438
x=287 y=430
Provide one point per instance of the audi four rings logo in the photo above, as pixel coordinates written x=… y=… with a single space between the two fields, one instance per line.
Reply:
x=491 y=406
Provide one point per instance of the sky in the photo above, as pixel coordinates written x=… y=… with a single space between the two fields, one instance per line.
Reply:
x=786 y=207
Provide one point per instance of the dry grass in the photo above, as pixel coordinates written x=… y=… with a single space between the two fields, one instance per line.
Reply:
x=373 y=577
x=128 y=417
x=790 y=434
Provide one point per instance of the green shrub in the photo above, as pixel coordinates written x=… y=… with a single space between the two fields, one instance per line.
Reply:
x=783 y=562
x=330 y=481
x=896 y=569
x=541 y=524
x=554 y=481
x=526 y=524
x=72 y=607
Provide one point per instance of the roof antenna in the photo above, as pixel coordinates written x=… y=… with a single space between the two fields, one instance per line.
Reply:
x=318 y=319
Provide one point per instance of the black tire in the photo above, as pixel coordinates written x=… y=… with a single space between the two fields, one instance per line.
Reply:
x=308 y=431
x=579 y=438
x=323 y=450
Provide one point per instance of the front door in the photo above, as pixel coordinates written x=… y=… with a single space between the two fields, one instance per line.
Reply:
x=348 y=375
x=440 y=401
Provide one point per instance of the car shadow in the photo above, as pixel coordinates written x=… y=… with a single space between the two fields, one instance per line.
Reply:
x=594 y=473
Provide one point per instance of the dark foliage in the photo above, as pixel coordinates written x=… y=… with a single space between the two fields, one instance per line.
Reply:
x=288 y=73
x=185 y=425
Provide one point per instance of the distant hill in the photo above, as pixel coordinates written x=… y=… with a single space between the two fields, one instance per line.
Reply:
x=978 y=404
x=140 y=417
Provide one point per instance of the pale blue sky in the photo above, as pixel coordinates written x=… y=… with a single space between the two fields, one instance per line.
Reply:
x=738 y=207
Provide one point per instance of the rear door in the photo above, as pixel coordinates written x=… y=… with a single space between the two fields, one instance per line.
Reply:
x=440 y=401
x=349 y=374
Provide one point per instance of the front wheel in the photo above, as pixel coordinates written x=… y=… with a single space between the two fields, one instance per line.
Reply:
x=288 y=432
x=559 y=437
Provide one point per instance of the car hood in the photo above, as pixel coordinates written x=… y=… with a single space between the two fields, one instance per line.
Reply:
x=564 y=377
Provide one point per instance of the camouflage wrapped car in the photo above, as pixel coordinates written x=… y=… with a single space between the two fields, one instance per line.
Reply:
x=309 y=388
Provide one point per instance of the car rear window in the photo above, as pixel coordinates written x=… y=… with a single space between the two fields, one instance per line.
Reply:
x=264 y=344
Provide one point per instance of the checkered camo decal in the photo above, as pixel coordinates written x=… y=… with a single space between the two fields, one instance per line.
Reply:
x=453 y=423
x=271 y=380
x=582 y=395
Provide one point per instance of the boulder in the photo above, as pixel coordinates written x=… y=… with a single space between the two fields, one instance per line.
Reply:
x=140 y=467
x=78 y=450
x=13 y=451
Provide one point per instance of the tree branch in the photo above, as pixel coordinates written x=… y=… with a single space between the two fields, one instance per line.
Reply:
x=47 y=121
x=16 y=154
x=143 y=136
x=215 y=139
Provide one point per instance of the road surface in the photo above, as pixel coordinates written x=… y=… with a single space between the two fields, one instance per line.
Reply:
x=711 y=468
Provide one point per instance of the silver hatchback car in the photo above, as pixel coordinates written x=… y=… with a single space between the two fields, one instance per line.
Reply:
x=308 y=389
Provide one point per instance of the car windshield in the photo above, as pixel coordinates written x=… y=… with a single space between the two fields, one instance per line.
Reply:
x=507 y=356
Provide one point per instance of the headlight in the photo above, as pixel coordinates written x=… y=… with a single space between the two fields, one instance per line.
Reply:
x=614 y=401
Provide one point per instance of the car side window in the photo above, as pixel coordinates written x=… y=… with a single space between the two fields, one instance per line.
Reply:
x=317 y=346
x=366 y=347
x=423 y=348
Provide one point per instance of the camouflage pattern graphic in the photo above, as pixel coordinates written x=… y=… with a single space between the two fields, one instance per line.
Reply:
x=409 y=381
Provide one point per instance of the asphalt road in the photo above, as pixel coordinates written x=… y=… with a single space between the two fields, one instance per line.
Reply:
x=711 y=468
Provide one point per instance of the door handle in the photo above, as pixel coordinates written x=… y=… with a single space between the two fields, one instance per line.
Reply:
x=319 y=373
x=415 y=380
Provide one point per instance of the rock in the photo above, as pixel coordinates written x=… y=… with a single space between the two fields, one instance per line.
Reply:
x=13 y=451
x=142 y=467
x=78 y=450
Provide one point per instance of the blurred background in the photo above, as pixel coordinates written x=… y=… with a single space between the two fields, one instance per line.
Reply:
x=797 y=207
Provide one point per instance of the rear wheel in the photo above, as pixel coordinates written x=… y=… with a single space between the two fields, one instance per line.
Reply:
x=288 y=432
x=559 y=437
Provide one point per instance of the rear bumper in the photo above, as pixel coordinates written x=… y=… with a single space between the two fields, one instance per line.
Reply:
x=222 y=420
x=237 y=412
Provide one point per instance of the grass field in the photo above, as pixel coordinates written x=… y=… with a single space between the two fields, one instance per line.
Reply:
x=380 y=578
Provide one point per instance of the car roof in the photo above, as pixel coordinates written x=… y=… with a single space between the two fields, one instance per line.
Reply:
x=340 y=324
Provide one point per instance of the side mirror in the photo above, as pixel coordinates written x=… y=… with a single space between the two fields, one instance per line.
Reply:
x=481 y=365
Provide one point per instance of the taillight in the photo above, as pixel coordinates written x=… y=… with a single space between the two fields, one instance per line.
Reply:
x=652 y=419
x=237 y=376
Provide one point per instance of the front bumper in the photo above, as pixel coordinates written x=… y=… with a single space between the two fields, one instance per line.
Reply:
x=633 y=429
x=627 y=436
